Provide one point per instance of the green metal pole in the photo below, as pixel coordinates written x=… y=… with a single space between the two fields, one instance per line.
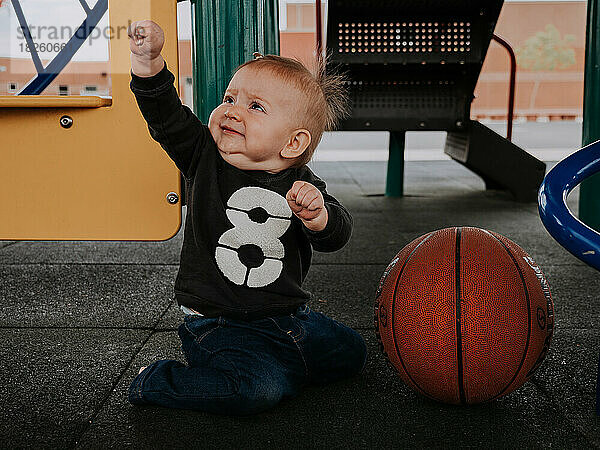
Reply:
x=225 y=33
x=589 y=193
x=394 y=186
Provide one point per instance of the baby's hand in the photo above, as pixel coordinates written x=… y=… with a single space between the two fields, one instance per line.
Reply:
x=146 y=39
x=307 y=203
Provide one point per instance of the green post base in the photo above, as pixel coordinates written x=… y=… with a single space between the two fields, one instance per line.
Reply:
x=394 y=186
x=589 y=202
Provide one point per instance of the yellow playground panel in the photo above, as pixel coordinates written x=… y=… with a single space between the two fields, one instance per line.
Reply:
x=85 y=167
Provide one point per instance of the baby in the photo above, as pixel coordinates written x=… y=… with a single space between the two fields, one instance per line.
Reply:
x=255 y=212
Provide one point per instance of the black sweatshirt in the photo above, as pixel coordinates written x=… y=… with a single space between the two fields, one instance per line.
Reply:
x=244 y=254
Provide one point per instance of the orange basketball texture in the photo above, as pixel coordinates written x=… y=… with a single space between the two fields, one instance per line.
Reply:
x=464 y=315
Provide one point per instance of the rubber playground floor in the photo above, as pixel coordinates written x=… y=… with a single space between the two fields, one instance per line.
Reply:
x=78 y=319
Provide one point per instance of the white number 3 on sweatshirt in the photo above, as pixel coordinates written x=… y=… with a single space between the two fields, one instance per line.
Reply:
x=260 y=217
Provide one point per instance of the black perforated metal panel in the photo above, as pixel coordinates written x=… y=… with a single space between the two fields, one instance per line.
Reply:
x=405 y=37
x=414 y=64
x=424 y=39
x=401 y=100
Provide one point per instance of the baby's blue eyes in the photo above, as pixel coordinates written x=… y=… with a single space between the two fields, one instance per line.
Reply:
x=252 y=105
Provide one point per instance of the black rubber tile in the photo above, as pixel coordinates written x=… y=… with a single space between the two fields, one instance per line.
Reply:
x=98 y=252
x=84 y=295
x=171 y=319
x=4 y=244
x=346 y=292
x=421 y=178
x=335 y=172
x=540 y=245
x=339 y=181
x=358 y=202
x=535 y=241
x=372 y=410
x=423 y=215
x=568 y=377
x=375 y=240
x=93 y=252
x=348 y=190
x=53 y=380
x=343 y=292
x=575 y=293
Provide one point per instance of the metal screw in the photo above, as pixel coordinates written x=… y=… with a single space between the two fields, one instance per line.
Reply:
x=172 y=198
x=422 y=124
x=66 y=121
x=367 y=124
x=459 y=123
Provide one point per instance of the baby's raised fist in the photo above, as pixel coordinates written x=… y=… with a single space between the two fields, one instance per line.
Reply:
x=146 y=39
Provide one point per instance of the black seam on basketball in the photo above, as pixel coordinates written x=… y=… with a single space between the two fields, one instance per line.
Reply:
x=394 y=315
x=459 y=360
x=528 y=315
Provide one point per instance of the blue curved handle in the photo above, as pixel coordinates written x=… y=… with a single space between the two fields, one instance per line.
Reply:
x=570 y=232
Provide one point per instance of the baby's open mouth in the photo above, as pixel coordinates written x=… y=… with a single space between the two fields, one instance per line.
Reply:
x=228 y=130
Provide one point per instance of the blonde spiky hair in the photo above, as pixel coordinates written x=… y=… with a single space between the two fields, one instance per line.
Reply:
x=326 y=97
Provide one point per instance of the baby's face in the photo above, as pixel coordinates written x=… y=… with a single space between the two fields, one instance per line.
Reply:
x=255 y=123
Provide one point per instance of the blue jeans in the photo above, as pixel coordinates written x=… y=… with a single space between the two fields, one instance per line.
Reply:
x=238 y=367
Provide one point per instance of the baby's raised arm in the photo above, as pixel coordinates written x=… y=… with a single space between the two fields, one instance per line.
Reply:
x=170 y=123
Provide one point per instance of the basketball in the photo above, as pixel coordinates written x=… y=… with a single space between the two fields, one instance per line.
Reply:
x=464 y=315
